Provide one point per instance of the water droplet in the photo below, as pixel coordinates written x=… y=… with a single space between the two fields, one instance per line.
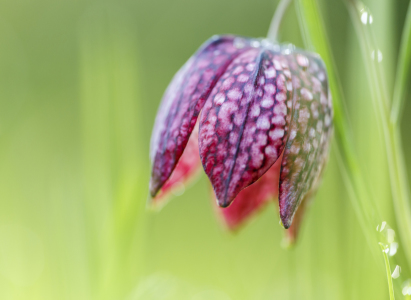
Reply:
x=393 y=249
x=396 y=272
x=390 y=235
x=378 y=227
x=255 y=44
x=266 y=43
x=383 y=224
x=287 y=49
x=406 y=287
x=366 y=16
x=239 y=43
x=377 y=55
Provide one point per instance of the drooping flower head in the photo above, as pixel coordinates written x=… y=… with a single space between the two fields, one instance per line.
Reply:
x=264 y=120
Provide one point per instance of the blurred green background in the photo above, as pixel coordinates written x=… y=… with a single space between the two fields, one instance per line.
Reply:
x=80 y=83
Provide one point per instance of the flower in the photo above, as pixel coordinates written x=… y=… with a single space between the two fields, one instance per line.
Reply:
x=264 y=121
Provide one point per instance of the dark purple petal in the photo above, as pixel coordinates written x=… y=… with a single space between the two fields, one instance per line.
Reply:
x=311 y=127
x=252 y=199
x=183 y=102
x=244 y=124
x=185 y=171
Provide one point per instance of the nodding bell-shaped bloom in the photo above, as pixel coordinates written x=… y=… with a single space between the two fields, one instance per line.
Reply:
x=259 y=117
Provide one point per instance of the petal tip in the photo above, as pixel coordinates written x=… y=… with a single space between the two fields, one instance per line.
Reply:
x=154 y=187
x=286 y=221
x=223 y=203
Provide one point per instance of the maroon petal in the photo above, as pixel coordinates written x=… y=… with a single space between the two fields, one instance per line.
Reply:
x=311 y=126
x=185 y=171
x=183 y=102
x=244 y=124
x=253 y=198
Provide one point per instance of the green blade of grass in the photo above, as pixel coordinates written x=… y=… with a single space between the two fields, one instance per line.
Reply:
x=388 y=269
x=403 y=70
x=391 y=134
x=315 y=38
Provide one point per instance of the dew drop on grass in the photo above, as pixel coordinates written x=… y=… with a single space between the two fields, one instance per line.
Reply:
x=396 y=272
x=239 y=43
x=255 y=44
x=390 y=235
x=383 y=224
x=377 y=55
x=393 y=249
x=366 y=16
x=406 y=287
x=406 y=291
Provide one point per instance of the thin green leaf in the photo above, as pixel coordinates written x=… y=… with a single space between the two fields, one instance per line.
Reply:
x=403 y=70
x=388 y=269
x=391 y=133
x=315 y=38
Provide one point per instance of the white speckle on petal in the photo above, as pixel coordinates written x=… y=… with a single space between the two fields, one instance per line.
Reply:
x=289 y=85
x=238 y=70
x=280 y=109
x=263 y=122
x=276 y=134
x=248 y=88
x=243 y=78
x=270 y=151
x=219 y=99
x=250 y=67
x=234 y=94
x=306 y=94
x=270 y=89
x=293 y=134
x=327 y=120
x=278 y=120
x=267 y=102
x=270 y=73
x=255 y=111
x=281 y=97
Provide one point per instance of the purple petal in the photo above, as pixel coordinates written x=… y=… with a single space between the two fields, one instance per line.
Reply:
x=311 y=127
x=244 y=124
x=185 y=171
x=183 y=102
x=252 y=199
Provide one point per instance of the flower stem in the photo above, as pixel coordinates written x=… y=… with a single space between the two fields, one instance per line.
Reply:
x=391 y=134
x=403 y=70
x=276 y=21
x=388 y=268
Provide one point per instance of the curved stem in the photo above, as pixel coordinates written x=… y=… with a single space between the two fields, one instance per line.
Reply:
x=403 y=70
x=391 y=135
x=276 y=21
x=388 y=269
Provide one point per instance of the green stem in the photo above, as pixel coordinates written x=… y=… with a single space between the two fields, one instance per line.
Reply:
x=276 y=21
x=391 y=133
x=403 y=70
x=388 y=268
x=315 y=37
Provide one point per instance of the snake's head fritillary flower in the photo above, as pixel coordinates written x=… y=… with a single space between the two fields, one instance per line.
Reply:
x=264 y=121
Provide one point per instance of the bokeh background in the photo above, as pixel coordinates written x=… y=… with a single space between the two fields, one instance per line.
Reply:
x=80 y=83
